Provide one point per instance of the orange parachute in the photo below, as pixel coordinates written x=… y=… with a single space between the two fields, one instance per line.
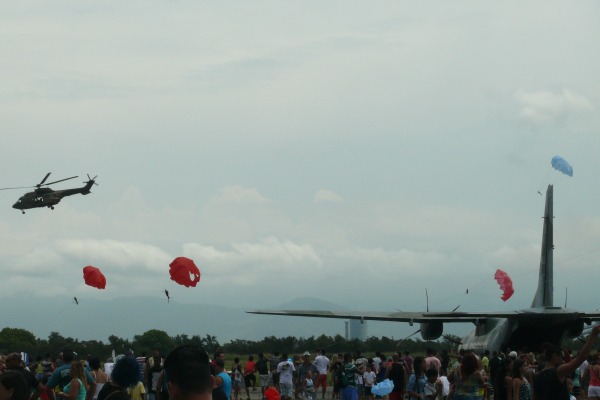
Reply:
x=184 y=271
x=94 y=277
x=505 y=284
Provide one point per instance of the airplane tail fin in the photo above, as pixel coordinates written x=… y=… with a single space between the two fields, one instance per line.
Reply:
x=544 y=295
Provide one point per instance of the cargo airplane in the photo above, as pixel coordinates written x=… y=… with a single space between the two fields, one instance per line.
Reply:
x=542 y=322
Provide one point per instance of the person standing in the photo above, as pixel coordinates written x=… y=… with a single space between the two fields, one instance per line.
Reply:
x=222 y=378
x=397 y=374
x=274 y=361
x=262 y=367
x=303 y=369
x=521 y=389
x=286 y=370
x=550 y=383
x=322 y=363
x=154 y=366
x=249 y=377
x=349 y=388
x=14 y=363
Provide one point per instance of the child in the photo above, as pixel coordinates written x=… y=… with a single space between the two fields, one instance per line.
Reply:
x=238 y=381
x=433 y=386
x=368 y=382
x=309 y=387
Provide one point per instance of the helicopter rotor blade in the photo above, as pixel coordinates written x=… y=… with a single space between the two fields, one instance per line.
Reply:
x=20 y=187
x=66 y=179
x=44 y=180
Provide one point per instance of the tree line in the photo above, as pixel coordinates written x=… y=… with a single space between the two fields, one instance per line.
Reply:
x=21 y=340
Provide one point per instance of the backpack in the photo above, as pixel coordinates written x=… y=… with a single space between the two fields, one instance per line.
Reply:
x=340 y=376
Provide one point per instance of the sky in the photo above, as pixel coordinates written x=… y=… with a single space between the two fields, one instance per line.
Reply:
x=353 y=152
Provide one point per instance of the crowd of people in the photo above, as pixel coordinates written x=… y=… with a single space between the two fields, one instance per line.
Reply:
x=187 y=373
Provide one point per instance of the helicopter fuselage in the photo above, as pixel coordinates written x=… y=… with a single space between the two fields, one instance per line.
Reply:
x=46 y=197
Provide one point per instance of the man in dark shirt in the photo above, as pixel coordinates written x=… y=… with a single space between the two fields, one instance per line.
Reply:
x=550 y=384
x=14 y=363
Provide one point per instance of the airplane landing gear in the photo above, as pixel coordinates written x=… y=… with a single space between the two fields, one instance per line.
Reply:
x=23 y=211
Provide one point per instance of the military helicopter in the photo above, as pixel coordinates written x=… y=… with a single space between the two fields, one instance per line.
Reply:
x=46 y=197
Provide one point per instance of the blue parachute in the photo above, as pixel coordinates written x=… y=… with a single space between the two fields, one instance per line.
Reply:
x=560 y=164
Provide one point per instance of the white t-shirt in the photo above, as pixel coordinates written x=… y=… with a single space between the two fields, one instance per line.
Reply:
x=322 y=364
x=369 y=378
x=583 y=367
x=376 y=363
x=445 y=385
x=285 y=369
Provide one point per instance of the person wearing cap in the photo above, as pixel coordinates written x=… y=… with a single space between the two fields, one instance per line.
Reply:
x=14 y=363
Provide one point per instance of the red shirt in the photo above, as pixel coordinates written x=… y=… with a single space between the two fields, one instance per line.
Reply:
x=249 y=367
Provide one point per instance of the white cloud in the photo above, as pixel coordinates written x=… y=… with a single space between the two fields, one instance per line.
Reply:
x=115 y=253
x=240 y=194
x=270 y=251
x=544 y=106
x=327 y=196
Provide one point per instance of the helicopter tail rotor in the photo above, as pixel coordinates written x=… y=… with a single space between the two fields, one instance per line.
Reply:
x=93 y=180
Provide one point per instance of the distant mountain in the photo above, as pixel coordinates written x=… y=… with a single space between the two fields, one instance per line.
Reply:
x=129 y=316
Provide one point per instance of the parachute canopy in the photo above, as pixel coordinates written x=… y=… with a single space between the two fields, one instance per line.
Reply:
x=93 y=277
x=505 y=284
x=383 y=388
x=560 y=164
x=184 y=271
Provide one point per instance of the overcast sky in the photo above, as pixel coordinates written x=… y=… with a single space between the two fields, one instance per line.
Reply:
x=357 y=152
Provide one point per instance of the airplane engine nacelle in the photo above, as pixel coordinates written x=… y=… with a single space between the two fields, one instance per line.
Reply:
x=575 y=329
x=431 y=330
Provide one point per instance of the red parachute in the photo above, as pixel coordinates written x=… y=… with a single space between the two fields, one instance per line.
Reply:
x=184 y=271
x=93 y=277
x=505 y=284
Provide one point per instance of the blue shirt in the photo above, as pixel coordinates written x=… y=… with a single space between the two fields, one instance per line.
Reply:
x=226 y=386
x=62 y=376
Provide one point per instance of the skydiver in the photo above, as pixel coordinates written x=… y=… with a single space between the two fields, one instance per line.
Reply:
x=167 y=294
x=75 y=300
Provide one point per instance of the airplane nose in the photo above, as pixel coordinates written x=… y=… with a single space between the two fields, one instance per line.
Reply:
x=15 y=205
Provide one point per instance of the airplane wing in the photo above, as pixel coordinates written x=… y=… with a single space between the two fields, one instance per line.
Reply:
x=454 y=317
